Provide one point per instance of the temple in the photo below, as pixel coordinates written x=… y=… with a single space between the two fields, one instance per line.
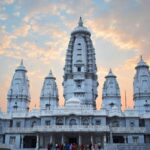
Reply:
x=78 y=121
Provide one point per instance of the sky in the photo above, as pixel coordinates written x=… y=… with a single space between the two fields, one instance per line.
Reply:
x=38 y=31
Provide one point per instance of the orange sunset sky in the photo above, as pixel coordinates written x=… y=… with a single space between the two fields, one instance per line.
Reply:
x=38 y=31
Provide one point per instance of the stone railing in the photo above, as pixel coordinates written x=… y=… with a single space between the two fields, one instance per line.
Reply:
x=5 y=146
x=77 y=128
x=128 y=129
x=58 y=128
x=135 y=146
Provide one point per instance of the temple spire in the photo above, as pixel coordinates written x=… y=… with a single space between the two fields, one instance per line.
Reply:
x=80 y=22
x=111 y=93
x=19 y=90
x=49 y=93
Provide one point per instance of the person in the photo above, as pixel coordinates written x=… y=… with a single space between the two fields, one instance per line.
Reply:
x=90 y=146
x=74 y=146
x=51 y=146
x=56 y=146
x=65 y=146
x=99 y=146
x=82 y=147
x=60 y=146
x=48 y=146
x=70 y=147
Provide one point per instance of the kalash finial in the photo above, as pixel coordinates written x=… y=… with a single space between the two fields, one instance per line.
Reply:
x=80 y=22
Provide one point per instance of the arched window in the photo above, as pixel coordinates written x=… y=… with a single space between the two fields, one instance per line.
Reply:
x=115 y=123
x=47 y=106
x=59 y=122
x=72 y=122
x=33 y=124
x=85 y=122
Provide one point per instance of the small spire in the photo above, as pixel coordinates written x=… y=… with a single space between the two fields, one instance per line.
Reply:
x=80 y=22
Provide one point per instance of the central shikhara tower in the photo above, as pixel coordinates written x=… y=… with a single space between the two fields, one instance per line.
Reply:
x=80 y=79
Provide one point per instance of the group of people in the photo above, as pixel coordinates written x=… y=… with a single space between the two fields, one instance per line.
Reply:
x=73 y=146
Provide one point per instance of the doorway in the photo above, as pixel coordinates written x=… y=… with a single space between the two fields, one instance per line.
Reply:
x=29 y=142
x=118 y=139
x=73 y=140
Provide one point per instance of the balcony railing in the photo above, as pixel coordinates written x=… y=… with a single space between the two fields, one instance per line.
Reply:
x=128 y=129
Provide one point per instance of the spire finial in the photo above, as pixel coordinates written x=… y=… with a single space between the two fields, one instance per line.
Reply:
x=80 y=22
x=50 y=72
x=141 y=57
x=21 y=63
x=110 y=71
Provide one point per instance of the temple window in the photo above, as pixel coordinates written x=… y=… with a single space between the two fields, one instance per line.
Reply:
x=47 y=122
x=18 y=124
x=33 y=124
x=78 y=83
x=132 y=124
x=115 y=123
x=85 y=122
x=97 y=122
x=12 y=139
x=72 y=122
x=59 y=122
x=79 y=69
x=135 y=139
x=47 y=106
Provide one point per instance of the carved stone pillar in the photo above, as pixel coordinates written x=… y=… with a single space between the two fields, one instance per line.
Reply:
x=62 y=139
x=80 y=140
x=21 y=140
x=37 y=141
x=51 y=138
x=92 y=142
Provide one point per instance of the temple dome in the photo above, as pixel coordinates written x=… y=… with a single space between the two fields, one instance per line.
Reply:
x=80 y=28
x=21 y=67
x=110 y=74
x=73 y=102
x=141 y=63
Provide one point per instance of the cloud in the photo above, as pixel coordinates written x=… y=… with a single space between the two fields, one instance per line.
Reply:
x=126 y=25
x=38 y=8
x=117 y=37
x=44 y=28
x=3 y=16
x=9 y=1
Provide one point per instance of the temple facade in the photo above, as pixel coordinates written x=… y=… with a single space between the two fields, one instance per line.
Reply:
x=78 y=121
